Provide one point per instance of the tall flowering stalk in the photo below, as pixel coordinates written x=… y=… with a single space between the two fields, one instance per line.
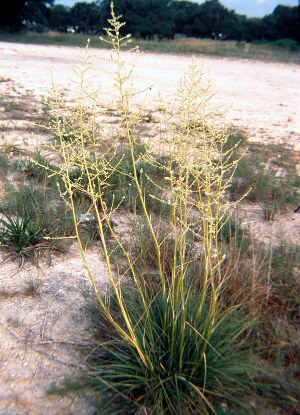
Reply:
x=170 y=336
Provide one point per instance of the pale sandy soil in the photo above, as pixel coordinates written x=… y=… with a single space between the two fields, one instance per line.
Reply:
x=261 y=98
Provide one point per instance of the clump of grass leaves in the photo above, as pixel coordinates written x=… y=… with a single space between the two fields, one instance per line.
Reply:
x=191 y=368
x=173 y=347
x=21 y=237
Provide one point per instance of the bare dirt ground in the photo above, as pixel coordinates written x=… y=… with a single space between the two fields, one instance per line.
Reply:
x=38 y=331
x=262 y=98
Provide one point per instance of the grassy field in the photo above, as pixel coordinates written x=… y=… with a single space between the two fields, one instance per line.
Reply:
x=242 y=50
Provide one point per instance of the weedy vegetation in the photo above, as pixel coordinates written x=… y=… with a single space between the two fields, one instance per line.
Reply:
x=269 y=173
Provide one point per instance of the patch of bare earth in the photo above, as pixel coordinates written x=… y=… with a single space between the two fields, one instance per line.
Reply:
x=283 y=229
x=42 y=321
x=39 y=326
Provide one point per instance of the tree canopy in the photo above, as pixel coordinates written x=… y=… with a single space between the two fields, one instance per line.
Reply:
x=16 y=13
x=152 y=18
x=144 y=18
x=60 y=18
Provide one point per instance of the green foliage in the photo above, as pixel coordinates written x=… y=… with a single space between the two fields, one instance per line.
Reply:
x=4 y=163
x=190 y=368
x=286 y=20
x=148 y=19
x=289 y=44
x=86 y=17
x=41 y=205
x=21 y=236
x=210 y=19
x=284 y=266
x=232 y=233
x=17 y=13
x=122 y=190
x=274 y=192
x=37 y=169
x=20 y=232
x=60 y=18
x=144 y=19
x=236 y=139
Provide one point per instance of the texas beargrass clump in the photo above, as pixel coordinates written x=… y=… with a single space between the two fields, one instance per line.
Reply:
x=193 y=365
x=172 y=340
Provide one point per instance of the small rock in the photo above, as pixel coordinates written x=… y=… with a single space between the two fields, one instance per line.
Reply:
x=280 y=173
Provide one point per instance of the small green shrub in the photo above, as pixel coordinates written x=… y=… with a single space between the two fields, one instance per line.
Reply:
x=20 y=232
x=274 y=194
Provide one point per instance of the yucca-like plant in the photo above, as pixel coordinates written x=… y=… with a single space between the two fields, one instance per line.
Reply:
x=21 y=237
x=172 y=348
x=194 y=370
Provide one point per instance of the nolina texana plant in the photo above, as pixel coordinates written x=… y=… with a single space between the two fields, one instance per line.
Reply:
x=173 y=348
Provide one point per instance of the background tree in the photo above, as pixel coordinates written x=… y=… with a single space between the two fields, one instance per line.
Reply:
x=60 y=18
x=214 y=15
x=36 y=12
x=287 y=22
x=251 y=29
x=17 y=13
x=144 y=18
x=86 y=17
x=11 y=15
x=184 y=17
x=149 y=18
x=208 y=19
